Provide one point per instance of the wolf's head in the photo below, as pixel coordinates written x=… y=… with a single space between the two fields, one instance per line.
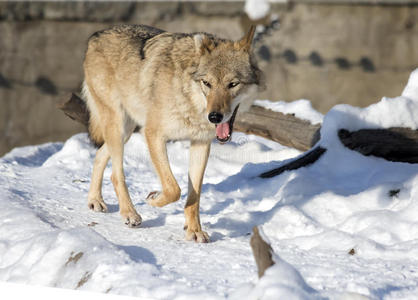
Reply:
x=228 y=75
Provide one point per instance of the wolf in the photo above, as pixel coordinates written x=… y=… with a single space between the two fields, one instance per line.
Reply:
x=174 y=86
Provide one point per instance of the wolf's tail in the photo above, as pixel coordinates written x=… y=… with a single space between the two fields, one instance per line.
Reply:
x=94 y=129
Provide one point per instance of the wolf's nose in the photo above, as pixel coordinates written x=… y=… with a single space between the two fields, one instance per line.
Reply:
x=215 y=117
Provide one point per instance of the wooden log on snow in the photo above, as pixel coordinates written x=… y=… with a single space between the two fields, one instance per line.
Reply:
x=285 y=129
x=394 y=144
x=262 y=251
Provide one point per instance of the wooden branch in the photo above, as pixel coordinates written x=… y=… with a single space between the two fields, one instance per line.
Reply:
x=394 y=144
x=284 y=129
x=262 y=251
x=303 y=161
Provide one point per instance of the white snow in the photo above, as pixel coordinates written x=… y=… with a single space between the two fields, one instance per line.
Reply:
x=281 y=281
x=389 y=112
x=312 y=216
x=257 y=9
x=301 y=109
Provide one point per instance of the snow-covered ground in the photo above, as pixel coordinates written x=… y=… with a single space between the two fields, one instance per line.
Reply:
x=313 y=217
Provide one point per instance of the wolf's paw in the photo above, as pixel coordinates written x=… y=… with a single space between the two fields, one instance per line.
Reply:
x=197 y=236
x=159 y=199
x=97 y=205
x=132 y=219
x=156 y=199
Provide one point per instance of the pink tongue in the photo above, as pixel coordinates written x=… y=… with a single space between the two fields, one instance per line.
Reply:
x=222 y=130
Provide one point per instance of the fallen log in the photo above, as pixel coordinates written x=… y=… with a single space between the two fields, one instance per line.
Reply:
x=262 y=251
x=394 y=144
x=285 y=129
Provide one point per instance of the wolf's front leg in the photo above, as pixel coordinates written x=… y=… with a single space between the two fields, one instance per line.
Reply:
x=170 y=188
x=199 y=153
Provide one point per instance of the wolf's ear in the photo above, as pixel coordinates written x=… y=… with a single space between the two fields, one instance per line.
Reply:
x=246 y=41
x=203 y=44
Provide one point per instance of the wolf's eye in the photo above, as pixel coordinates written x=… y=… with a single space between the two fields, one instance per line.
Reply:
x=206 y=83
x=233 y=84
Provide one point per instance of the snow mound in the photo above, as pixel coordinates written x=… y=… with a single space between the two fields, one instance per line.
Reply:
x=411 y=89
x=282 y=281
x=76 y=259
x=400 y=111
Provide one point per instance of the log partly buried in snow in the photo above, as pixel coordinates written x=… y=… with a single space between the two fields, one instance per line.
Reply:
x=284 y=129
x=394 y=144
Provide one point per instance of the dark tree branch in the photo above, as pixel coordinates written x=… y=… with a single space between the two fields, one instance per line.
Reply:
x=303 y=161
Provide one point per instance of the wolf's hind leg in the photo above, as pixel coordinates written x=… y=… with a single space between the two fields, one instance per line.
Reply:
x=95 y=199
x=199 y=153
x=170 y=188
x=114 y=140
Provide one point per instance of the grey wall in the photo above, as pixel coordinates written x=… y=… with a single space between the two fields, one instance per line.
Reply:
x=328 y=53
